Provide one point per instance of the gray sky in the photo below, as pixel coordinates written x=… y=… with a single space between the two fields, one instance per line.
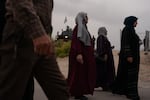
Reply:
x=108 y=13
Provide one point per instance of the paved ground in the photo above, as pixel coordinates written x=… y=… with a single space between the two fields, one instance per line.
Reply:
x=144 y=82
x=98 y=95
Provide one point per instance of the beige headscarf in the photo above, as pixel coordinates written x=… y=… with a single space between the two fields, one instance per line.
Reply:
x=82 y=32
x=102 y=31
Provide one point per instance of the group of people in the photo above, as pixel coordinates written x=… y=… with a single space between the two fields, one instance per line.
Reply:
x=27 y=51
x=89 y=68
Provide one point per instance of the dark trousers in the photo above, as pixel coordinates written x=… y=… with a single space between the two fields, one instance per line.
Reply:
x=29 y=92
x=17 y=67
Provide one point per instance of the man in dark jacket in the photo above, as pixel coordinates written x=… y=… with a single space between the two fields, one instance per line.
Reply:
x=28 y=50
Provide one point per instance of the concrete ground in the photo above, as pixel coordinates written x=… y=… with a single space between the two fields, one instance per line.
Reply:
x=144 y=81
x=98 y=94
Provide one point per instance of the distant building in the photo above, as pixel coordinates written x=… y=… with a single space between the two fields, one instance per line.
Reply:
x=65 y=35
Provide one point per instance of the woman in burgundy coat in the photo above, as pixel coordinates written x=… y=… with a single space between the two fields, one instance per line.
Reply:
x=82 y=67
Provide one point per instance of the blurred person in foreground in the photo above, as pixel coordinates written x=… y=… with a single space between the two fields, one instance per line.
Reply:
x=28 y=50
x=126 y=82
x=82 y=68
x=29 y=92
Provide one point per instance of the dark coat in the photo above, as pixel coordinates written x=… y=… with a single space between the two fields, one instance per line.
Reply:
x=32 y=18
x=105 y=69
x=27 y=20
x=127 y=74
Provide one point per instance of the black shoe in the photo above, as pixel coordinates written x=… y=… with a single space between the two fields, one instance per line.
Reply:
x=81 y=97
x=133 y=98
x=107 y=89
x=118 y=92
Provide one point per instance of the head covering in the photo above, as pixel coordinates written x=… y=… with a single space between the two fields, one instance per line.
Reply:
x=82 y=32
x=102 y=31
x=129 y=21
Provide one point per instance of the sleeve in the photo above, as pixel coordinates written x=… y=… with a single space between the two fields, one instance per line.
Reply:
x=77 y=45
x=26 y=16
x=101 y=49
x=127 y=43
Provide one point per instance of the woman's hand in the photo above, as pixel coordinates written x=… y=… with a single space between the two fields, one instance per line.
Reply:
x=79 y=58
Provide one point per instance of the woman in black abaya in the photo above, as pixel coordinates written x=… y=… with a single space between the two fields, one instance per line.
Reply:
x=126 y=82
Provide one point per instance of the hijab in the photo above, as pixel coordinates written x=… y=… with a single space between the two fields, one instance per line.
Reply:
x=129 y=21
x=82 y=32
x=102 y=31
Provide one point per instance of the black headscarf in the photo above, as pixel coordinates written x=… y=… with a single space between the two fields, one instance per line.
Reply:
x=129 y=21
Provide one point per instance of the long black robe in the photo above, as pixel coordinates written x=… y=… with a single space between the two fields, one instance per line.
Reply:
x=127 y=74
x=105 y=69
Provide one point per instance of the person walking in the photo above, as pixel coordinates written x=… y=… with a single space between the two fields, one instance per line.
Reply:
x=82 y=68
x=104 y=61
x=126 y=82
x=28 y=95
x=27 y=50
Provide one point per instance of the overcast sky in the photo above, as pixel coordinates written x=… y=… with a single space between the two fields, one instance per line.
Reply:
x=108 y=13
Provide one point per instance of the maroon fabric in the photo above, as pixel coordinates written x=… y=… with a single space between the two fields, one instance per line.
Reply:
x=81 y=77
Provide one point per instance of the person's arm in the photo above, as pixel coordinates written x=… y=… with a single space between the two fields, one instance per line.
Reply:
x=77 y=46
x=26 y=16
x=101 y=46
x=127 y=41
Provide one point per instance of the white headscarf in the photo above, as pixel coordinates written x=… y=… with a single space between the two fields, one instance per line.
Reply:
x=82 y=32
x=102 y=31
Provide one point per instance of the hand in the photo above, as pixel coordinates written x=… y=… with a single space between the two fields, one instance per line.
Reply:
x=43 y=45
x=130 y=59
x=112 y=47
x=79 y=58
